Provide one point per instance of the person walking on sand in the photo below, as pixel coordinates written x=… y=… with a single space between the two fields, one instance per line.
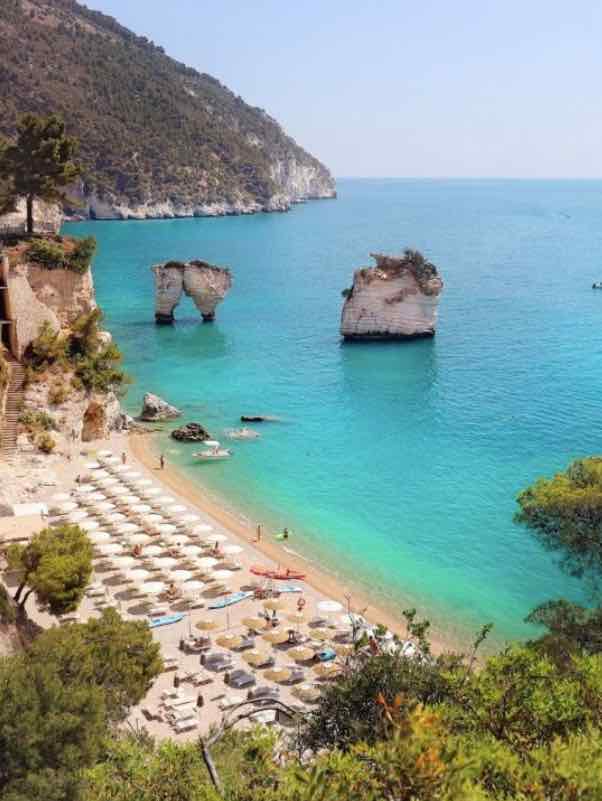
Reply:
x=258 y=533
x=124 y=457
x=162 y=461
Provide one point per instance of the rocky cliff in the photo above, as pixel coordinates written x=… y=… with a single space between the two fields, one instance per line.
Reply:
x=158 y=139
x=396 y=299
x=206 y=284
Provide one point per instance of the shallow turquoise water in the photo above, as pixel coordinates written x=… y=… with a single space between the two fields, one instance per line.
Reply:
x=396 y=464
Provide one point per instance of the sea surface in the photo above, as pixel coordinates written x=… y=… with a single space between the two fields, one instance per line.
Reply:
x=395 y=465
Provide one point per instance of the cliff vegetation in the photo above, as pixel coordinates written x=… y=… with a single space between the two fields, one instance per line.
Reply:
x=150 y=127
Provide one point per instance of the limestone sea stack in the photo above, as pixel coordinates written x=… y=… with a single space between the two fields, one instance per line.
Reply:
x=396 y=299
x=205 y=283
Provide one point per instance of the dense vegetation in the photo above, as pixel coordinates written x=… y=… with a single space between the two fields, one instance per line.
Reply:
x=82 y=351
x=64 y=253
x=150 y=127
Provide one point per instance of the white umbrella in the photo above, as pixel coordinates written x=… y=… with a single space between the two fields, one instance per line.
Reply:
x=152 y=550
x=84 y=489
x=330 y=607
x=191 y=550
x=140 y=508
x=105 y=454
x=177 y=539
x=175 y=509
x=110 y=548
x=60 y=497
x=116 y=518
x=222 y=575
x=99 y=474
x=120 y=469
x=104 y=506
x=92 y=466
x=124 y=562
x=153 y=520
x=150 y=492
x=65 y=508
x=127 y=528
x=163 y=500
x=165 y=562
x=152 y=587
x=207 y=562
x=89 y=525
x=139 y=539
x=98 y=537
x=351 y=619
x=94 y=497
x=217 y=538
x=112 y=460
x=117 y=491
x=138 y=574
x=231 y=550
x=180 y=575
x=202 y=528
x=130 y=475
x=143 y=482
x=193 y=586
x=108 y=482
x=77 y=517
x=187 y=520
x=166 y=529
x=129 y=500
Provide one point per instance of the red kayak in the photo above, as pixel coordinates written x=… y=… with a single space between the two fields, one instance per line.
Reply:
x=282 y=573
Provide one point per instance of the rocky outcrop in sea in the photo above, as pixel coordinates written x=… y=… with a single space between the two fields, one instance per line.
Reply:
x=396 y=299
x=191 y=432
x=205 y=283
x=155 y=409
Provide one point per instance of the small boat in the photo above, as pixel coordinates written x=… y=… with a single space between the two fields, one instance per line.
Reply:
x=289 y=588
x=597 y=285
x=242 y=433
x=281 y=573
x=228 y=600
x=165 y=620
x=214 y=452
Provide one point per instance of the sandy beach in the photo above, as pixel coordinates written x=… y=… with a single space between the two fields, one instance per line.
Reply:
x=318 y=586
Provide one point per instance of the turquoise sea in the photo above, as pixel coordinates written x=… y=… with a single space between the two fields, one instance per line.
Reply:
x=396 y=465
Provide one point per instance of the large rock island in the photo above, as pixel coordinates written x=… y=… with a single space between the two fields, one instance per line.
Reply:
x=206 y=284
x=396 y=299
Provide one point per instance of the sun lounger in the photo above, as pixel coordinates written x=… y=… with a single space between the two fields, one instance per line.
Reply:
x=149 y=714
x=181 y=726
x=266 y=717
x=229 y=700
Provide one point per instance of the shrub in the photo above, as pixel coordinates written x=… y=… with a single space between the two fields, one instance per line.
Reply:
x=47 y=348
x=75 y=255
x=50 y=254
x=58 y=393
x=45 y=443
x=4 y=374
x=36 y=422
x=82 y=255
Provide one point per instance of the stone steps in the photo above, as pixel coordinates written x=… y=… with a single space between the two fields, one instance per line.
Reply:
x=12 y=409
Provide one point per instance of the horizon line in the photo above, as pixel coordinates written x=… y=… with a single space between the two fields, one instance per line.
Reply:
x=463 y=178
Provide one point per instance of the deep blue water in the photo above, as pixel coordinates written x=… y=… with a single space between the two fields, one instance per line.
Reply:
x=396 y=464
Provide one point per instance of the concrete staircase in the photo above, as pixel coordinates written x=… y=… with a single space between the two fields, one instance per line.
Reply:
x=12 y=409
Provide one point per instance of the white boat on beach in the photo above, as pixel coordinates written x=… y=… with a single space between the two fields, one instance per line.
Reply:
x=214 y=452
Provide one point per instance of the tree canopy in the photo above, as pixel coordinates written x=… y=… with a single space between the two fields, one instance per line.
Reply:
x=39 y=163
x=56 y=565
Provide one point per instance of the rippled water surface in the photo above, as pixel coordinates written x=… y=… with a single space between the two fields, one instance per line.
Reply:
x=395 y=464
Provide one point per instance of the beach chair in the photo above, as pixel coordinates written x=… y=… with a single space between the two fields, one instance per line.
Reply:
x=181 y=726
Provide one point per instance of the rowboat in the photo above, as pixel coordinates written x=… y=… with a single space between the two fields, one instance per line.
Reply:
x=228 y=600
x=281 y=573
x=165 y=620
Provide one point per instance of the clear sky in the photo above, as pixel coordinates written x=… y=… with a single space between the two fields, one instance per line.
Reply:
x=394 y=88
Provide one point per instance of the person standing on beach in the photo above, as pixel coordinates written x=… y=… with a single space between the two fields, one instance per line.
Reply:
x=162 y=461
x=258 y=532
x=124 y=457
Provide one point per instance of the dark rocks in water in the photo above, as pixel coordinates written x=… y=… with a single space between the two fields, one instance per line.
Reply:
x=191 y=432
x=257 y=418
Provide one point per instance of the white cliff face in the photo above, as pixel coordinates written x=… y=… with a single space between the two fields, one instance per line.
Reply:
x=298 y=182
x=47 y=218
x=205 y=284
x=397 y=299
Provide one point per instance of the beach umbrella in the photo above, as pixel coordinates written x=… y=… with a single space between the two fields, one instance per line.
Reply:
x=343 y=649
x=104 y=506
x=165 y=562
x=166 y=529
x=193 y=586
x=65 y=508
x=330 y=607
x=206 y=625
x=142 y=482
x=326 y=670
x=255 y=623
x=151 y=550
x=221 y=575
x=112 y=460
x=152 y=587
x=115 y=518
x=320 y=634
x=188 y=520
x=153 y=520
x=138 y=575
x=255 y=657
x=141 y=508
x=274 y=604
x=232 y=550
x=94 y=498
x=217 y=538
x=130 y=475
x=120 y=469
x=202 y=528
x=105 y=454
x=89 y=525
x=150 y=492
x=108 y=482
x=177 y=540
x=118 y=491
x=60 y=497
x=110 y=548
x=129 y=500
x=229 y=640
x=164 y=500
x=98 y=475
x=180 y=576
x=350 y=620
x=92 y=465
x=127 y=528
x=307 y=692
x=297 y=617
x=124 y=562
x=84 y=489
x=207 y=562
x=276 y=636
x=78 y=516
x=191 y=550
x=98 y=537
x=139 y=539
x=278 y=674
x=301 y=653
x=176 y=509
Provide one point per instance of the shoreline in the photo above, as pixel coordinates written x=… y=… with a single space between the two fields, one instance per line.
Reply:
x=141 y=447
